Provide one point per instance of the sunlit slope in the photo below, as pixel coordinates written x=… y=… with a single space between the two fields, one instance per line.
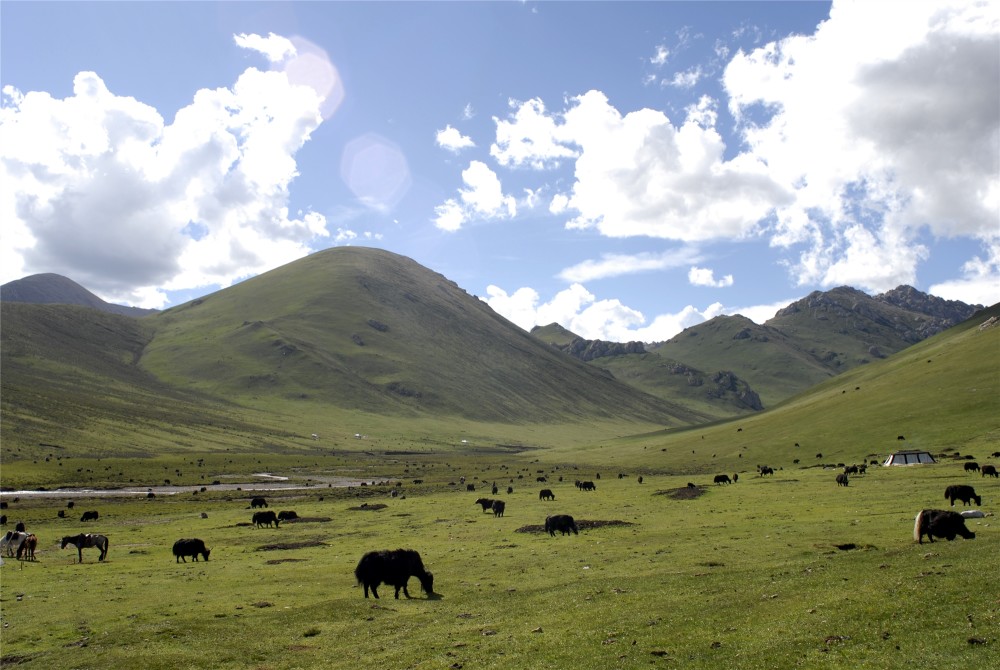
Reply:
x=369 y=330
x=942 y=394
x=70 y=385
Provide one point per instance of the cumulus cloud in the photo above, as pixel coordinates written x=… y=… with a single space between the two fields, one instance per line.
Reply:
x=483 y=198
x=880 y=134
x=98 y=187
x=979 y=283
x=706 y=277
x=639 y=174
x=453 y=140
x=578 y=310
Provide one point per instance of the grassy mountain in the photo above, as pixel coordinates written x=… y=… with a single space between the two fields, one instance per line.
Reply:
x=53 y=289
x=348 y=330
x=941 y=394
x=813 y=339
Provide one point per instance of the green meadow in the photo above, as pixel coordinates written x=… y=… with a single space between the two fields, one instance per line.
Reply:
x=771 y=572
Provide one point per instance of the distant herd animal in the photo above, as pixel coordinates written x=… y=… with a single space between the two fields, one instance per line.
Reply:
x=990 y=470
x=962 y=492
x=722 y=479
x=546 y=494
x=940 y=523
x=190 y=547
x=393 y=567
x=261 y=519
x=90 y=516
x=563 y=523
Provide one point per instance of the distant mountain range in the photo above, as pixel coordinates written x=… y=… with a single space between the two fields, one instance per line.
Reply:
x=357 y=330
x=53 y=289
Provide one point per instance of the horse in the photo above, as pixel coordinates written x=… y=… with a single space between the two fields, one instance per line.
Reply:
x=12 y=542
x=26 y=551
x=85 y=541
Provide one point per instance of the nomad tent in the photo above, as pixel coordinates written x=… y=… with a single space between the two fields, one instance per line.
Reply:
x=909 y=457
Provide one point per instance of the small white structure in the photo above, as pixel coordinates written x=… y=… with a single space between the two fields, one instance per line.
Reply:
x=909 y=457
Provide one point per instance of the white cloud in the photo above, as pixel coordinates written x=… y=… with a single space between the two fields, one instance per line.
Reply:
x=530 y=137
x=614 y=265
x=482 y=199
x=97 y=187
x=660 y=55
x=980 y=280
x=706 y=277
x=639 y=174
x=453 y=140
x=879 y=133
x=579 y=311
x=274 y=47
x=686 y=78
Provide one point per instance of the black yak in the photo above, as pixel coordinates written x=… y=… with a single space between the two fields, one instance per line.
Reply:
x=722 y=479
x=972 y=467
x=486 y=503
x=962 y=492
x=393 y=568
x=942 y=523
x=498 y=507
x=285 y=515
x=258 y=502
x=190 y=547
x=842 y=479
x=562 y=522
x=90 y=516
x=546 y=494
x=261 y=519
x=990 y=470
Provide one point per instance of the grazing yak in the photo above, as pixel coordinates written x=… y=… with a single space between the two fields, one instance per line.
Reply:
x=722 y=479
x=498 y=507
x=990 y=470
x=393 y=568
x=261 y=519
x=285 y=515
x=972 y=466
x=258 y=502
x=562 y=522
x=940 y=523
x=546 y=494
x=842 y=479
x=89 y=516
x=766 y=470
x=962 y=492
x=485 y=503
x=586 y=486
x=190 y=547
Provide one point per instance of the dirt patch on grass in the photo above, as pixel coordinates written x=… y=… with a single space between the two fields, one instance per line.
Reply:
x=309 y=519
x=683 y=493
x=282 y=546
x=276 y=561
x=14 y=659
x=581 y=525
x=365 y=507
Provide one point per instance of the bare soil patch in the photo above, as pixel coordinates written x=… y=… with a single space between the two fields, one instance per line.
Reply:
x=365 y=507
x=581 y=525
x=282 y=546
x=683 y=493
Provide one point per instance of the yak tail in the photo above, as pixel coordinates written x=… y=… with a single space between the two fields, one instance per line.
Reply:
x=918 y=526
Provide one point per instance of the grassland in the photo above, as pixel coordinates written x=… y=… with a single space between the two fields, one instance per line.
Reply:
x=777 y=572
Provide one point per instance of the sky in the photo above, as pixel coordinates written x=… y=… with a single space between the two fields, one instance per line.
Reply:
x=624 y=169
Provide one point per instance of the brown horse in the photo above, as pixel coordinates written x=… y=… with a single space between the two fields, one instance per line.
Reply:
x=26 y=551
x=87 y=540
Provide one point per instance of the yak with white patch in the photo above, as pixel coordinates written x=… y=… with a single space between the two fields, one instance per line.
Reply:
x=393 y=567
x=940 y=523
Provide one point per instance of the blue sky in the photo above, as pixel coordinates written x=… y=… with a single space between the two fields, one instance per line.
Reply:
x=624 y=169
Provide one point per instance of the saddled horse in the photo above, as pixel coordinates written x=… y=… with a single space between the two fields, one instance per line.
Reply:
x=26 y=552
x=85 y=541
